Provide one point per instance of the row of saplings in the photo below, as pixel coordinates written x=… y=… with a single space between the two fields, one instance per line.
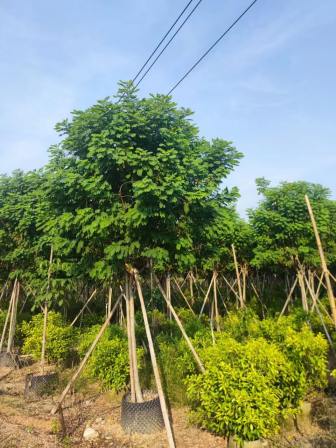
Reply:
x=257 y=372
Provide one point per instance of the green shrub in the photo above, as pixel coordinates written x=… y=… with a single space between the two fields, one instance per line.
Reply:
x=192 y=323
x=88 y=335
x=308 y=352
x=109 y=362
x=60 y=337
x=231 y=400
x=257 y=372
x=176 y=363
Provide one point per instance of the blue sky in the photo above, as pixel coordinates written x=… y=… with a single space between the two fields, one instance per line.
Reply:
x=269 y=86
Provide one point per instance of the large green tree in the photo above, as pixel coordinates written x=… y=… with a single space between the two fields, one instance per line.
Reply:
x=132 y=180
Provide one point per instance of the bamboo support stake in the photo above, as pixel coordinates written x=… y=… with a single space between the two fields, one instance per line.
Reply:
x=229 y=285
x=333 y=277
x=182 y=294
x=207 y=295
x=300 y=276
x=138 y=393
x=168 y=293
x=12 y=324
x=9 y=313
x=325 y=269
x=211 y=325
x=45 y=314
x=238 y=276
x=314 y=298
x=216 y=301
x=163 y=404
x=289 y=297
x=191 y=288
x=129 y=339
x=83 y=308
x=86 y=357
x=109 y=305
x=244 y=274
x=179 y=323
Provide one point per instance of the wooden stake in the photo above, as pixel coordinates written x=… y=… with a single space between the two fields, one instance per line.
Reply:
x=138 y=393
x=168 y=293
x=216 y=301
x=289 y=297
x=300 y=276
x=86 y=357
x=9 y=313
x=229 y=285
x=325 y=269
x=12 y=324
x=179 y=323
x=191 y=287
x=238 y=277
x=83 y=308
x=211 y=324
x=182 y=294
x=129 y=339
x=45 y=314
x=109 y=305
x=207 y=295
x=164 y=408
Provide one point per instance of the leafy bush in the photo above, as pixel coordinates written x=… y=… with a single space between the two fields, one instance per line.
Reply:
x=308 y=352
x=191 y=322
x=60 y=337
x=256 y=372
x=176 y=363
x=88 y=335
x=229 y=400
x=109 y=362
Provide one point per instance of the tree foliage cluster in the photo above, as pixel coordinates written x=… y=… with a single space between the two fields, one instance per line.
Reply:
x=132 y=181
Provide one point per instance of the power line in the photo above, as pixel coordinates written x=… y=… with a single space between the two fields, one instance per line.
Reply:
x=170 y=40
x=212 y=47
x=161 y=41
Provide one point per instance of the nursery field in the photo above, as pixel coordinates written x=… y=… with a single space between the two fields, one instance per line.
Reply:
x=138 y=309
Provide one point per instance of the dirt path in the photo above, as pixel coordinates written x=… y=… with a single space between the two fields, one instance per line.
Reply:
x=28 y=424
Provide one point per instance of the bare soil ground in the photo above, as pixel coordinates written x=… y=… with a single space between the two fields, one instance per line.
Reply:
x=28 y=423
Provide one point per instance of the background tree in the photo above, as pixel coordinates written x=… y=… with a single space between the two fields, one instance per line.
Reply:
x=282 y=227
